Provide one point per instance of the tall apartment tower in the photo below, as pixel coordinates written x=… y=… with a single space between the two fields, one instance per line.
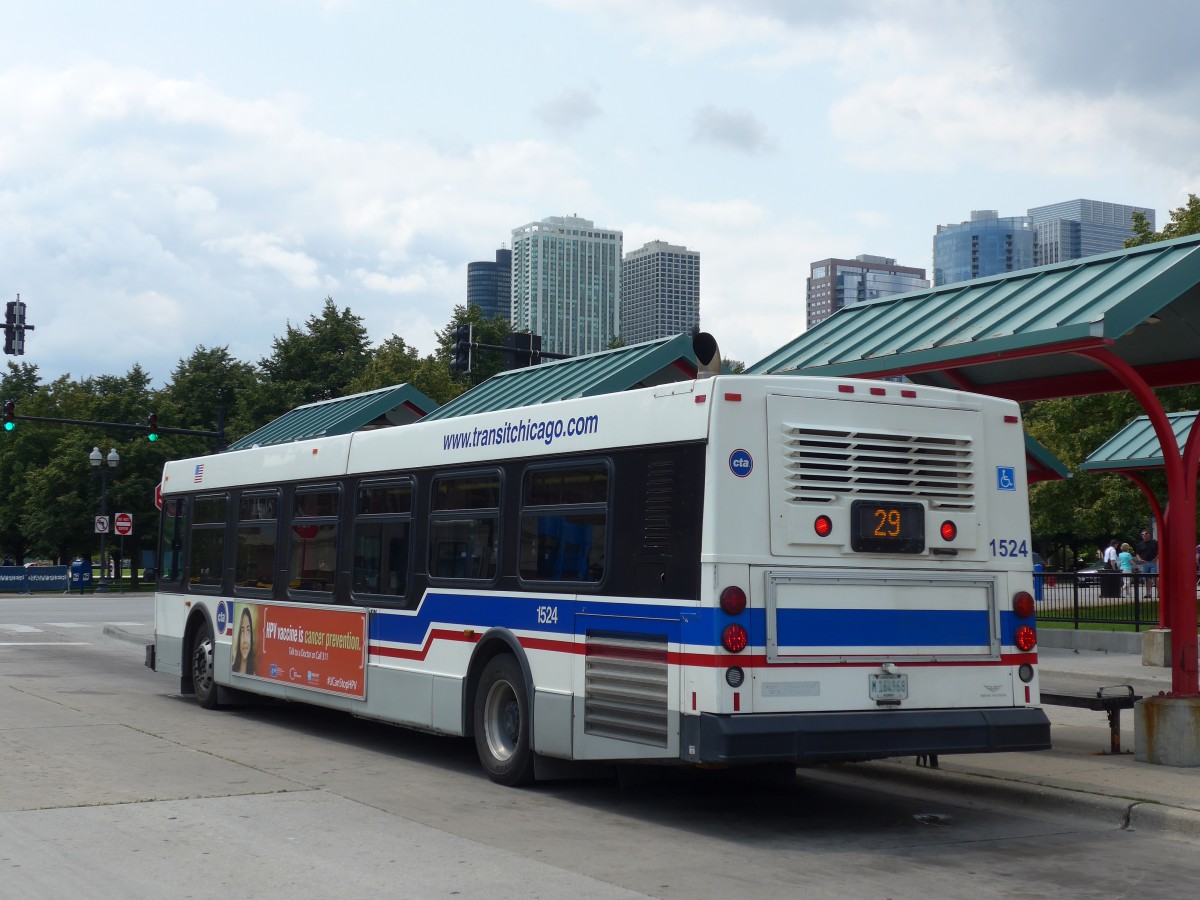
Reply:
x=835 y=283
x=660 y=292
x=985 y=245
x=489 y=285
x=1077 y=228
x=566 y=283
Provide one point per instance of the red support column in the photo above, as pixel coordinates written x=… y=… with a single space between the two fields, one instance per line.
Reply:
x=1177 y=574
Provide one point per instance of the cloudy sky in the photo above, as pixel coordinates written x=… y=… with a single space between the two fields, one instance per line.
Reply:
x=183 y=174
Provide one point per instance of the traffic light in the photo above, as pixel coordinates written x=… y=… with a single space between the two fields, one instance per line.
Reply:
x=14 y=327
x=522 y=349
x=152 y=427
x=460 y=360
x=10 y=331
x=10 y=415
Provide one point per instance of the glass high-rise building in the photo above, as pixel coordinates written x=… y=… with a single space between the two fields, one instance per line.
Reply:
x=985 y=245
x=660 y=292
x=489 y=285
x=835 y=283
x=1077 y=228
x=566 y=283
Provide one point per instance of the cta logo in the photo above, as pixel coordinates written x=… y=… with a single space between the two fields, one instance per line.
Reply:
x=741 y=463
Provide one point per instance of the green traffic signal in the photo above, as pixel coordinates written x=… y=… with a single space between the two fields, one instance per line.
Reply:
x=9 y=426
x=10 y=415
x=152 y=427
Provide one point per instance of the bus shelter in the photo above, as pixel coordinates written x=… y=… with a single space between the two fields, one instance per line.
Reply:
x=1123 y=321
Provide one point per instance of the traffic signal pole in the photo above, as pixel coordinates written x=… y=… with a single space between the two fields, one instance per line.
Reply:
x=219 y=435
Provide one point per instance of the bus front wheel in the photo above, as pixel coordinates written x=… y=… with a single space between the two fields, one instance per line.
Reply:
x=203 y=683
x=501 y=718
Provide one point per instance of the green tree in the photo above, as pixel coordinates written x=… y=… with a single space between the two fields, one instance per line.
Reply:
x=208 y=384
x=1184 y=220
x=396 y=362
x=316 y=362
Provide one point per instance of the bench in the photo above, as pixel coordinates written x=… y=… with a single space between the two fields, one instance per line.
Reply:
x=1110 y=700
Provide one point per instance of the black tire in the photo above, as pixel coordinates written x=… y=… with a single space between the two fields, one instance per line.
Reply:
x=501 y=718
x=200 y=664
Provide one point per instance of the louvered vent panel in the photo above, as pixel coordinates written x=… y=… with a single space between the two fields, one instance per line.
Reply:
x=626 y=689
x=824 y=463
x=656 y=519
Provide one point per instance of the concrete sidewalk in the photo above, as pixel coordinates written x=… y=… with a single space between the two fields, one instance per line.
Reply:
x=1079 y=772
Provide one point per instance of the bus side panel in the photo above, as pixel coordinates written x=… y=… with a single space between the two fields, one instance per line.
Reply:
x=170 y=619
x=626 y=685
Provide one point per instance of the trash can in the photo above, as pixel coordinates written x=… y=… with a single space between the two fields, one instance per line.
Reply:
x=80 y=575
x=1110 y=583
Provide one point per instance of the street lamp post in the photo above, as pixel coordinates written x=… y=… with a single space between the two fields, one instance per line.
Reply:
x=97 y=466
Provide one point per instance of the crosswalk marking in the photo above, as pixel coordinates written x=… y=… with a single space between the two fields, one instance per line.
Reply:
x=13 y=628
x=19 y=629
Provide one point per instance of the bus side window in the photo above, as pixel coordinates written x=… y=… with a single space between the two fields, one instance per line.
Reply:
x=381 y=538
x=564 y=523
x=312 y=565
x=171 y=542
x=206 y=550
x=464 y=526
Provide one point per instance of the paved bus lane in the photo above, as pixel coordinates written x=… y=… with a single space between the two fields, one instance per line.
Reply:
x=113 y=785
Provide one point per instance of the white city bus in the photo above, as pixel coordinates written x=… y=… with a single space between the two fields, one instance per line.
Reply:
x=732 y=570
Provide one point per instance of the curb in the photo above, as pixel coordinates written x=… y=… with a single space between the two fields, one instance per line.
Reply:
x=1121 y=813
x=130 y=637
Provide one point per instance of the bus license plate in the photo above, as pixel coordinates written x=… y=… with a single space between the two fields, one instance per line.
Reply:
x=889 y=687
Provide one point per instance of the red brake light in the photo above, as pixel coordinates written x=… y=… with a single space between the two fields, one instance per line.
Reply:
x=949 y=530
x=734 y=638
x=1023 y=604
x=1026 y=638
x=823 y=526
x=733 y=600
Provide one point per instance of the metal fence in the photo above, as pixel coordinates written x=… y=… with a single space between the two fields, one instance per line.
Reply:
x=1097 y=598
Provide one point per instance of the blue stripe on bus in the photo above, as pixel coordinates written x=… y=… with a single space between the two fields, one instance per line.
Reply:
x=867 y=628
x=883 y=628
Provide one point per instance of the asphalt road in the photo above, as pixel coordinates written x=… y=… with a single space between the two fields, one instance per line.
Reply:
x=111 y=785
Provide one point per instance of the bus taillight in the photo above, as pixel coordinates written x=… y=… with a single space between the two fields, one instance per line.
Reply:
x=1025 y=639
x=1023 y=604
x=949 y=530
x=734 y=638
x=733 y=600
x=823 y=526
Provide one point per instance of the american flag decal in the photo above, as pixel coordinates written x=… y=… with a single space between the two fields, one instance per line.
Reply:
x=199 y=474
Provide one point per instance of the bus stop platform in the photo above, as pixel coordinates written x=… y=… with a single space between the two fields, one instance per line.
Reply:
x=1079 y=772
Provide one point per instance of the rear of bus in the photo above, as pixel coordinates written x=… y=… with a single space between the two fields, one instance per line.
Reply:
x=866 y=555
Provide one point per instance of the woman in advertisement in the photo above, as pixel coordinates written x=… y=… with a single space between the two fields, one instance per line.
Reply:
x=245 y=652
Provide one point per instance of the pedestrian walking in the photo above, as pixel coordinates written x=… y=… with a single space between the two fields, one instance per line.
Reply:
x=1125 y=564
x=1110 y=554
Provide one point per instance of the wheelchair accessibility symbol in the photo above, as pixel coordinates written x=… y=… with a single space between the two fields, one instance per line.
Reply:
x=1006 y=478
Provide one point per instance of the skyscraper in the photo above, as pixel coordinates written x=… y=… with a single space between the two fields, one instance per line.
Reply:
x=489 y=285
x=834 y=283
x=566 y=282
x=1077 y=228
x=660 y=292
x=985 y=245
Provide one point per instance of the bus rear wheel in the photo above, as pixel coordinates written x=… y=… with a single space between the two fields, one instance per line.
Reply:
x=501 y=718
x=202 y=669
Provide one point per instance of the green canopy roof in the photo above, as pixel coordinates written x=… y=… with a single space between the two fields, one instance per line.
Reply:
x=397 y=405
x=1136 y=445
x=641 y=365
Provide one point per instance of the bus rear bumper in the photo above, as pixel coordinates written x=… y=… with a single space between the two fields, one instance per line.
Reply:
x=825 y=737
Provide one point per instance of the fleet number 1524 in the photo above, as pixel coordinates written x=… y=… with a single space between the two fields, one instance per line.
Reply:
x=1008 y=547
